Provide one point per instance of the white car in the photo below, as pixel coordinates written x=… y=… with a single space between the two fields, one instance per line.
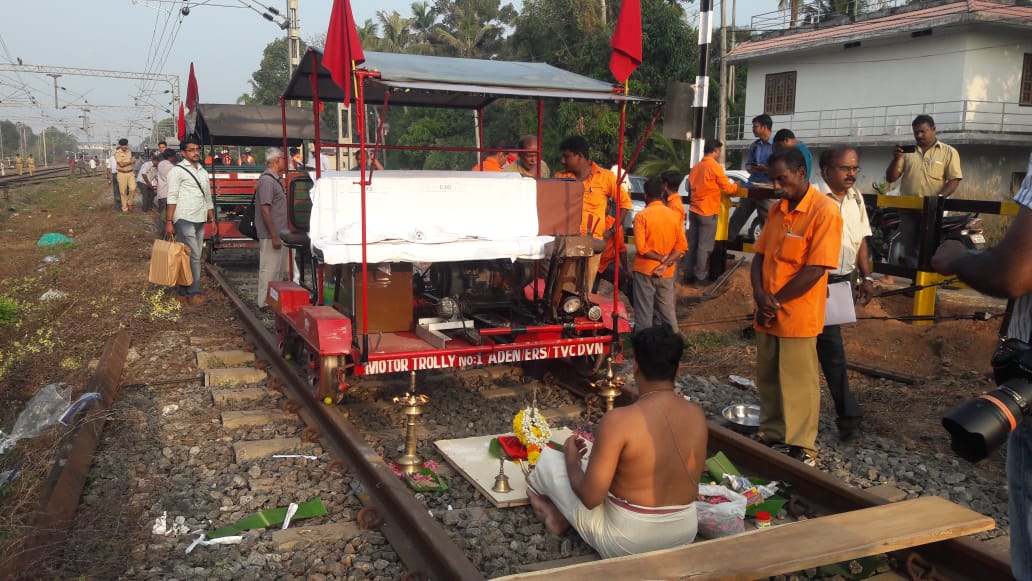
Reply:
x=750 y=230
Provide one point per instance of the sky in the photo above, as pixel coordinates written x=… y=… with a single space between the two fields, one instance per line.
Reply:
x=223 y=39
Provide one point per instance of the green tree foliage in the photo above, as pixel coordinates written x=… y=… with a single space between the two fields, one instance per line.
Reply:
x=272 y=76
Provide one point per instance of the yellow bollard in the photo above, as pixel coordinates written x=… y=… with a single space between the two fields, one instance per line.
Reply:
x=924 y=299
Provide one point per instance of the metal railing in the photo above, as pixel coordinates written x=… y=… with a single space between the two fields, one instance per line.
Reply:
x=812 y=15
x=890 y=120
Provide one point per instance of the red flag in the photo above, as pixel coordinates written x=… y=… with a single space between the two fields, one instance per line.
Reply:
x=343 y=47
x=191 y=91
x=181 y=133
x=626 y=41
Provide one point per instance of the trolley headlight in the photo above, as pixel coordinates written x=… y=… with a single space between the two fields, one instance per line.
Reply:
x=572 y=304
x=595 y=313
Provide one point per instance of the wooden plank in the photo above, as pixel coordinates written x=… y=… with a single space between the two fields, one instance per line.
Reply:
x=884 y=373
x=470 y=458
x=791 y=547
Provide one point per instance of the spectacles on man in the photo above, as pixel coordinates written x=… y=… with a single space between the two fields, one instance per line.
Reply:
x=848 y=168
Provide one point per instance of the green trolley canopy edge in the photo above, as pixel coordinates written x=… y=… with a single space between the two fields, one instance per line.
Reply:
x=459 y=83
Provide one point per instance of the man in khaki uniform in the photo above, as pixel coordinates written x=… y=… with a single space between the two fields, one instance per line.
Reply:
x=932 y=169
x=126 y=179
x=32 y=165
x=18 y=164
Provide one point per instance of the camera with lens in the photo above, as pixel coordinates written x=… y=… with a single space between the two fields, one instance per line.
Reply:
x=978 y=426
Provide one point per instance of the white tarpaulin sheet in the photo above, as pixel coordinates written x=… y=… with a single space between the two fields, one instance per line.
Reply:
x=426 y=216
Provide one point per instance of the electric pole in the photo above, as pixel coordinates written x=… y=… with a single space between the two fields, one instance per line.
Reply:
x=702 y=81
x=293 y=35
x=55 y=76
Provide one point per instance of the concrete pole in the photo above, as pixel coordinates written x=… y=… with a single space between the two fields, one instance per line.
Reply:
x=293 y=35
x=43 y=117
x=702 y=80
x=722 y=121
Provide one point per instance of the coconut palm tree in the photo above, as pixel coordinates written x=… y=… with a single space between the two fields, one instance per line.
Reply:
x=468 y=35
x=665 y=155
x=396 y=33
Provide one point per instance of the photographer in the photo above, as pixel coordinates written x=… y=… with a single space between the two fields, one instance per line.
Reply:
x=1006 y=271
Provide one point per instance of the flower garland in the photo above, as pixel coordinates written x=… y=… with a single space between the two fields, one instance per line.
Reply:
x=532 y=431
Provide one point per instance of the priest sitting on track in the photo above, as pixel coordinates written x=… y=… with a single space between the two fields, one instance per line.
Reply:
x=636 y=492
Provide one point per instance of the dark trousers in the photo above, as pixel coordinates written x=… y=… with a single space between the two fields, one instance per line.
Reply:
x=114 y=190
x=909 y=236
x=832 y=355
x=147 y=194
x=701 y=232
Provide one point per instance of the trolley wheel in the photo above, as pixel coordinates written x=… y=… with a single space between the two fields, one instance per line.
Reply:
x=208 y=252
x=286 y=339
x=322 y=375
x=588 y=366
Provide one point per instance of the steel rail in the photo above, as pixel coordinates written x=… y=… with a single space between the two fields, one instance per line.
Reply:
x=965 y=557
x=420 y=542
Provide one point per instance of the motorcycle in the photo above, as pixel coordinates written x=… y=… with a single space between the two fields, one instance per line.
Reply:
x=886 y=245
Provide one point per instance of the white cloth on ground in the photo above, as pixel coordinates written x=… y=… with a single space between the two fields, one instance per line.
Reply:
x=610 y=529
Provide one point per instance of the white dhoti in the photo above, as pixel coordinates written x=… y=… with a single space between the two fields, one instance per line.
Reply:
x=616 y=527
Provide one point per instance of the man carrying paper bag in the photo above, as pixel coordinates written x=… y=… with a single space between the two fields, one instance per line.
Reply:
x=839 y=167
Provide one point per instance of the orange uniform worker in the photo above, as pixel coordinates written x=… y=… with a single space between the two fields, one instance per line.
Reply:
x=495 y=160
x=599 y=187
x=671 y=181
x=659 y=235
x=796 y=249
x=708 y=181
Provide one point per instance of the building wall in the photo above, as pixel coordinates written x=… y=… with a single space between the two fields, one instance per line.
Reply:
x=881 y=85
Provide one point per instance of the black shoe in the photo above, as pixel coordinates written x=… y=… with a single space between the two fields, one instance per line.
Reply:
x=848 y=430
x=803 y=456
x=702 y=283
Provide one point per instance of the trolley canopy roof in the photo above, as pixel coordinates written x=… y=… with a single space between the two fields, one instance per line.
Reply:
x=258 y=125
x=434 y=81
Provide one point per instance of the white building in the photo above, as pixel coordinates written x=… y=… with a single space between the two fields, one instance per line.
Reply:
x=862 y=79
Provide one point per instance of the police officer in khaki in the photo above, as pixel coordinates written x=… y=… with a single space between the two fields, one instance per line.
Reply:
x=18 y=164
x=126 y=179
x=32 y=165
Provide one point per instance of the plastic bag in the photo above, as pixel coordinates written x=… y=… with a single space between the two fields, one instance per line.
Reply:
x=43 y=410
x=724 y=518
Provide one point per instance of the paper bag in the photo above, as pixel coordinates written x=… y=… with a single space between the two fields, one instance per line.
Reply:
x=840 y=309
x=170 y=264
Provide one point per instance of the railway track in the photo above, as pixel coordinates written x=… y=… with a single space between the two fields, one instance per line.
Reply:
x=820 y=493
x=41 y=175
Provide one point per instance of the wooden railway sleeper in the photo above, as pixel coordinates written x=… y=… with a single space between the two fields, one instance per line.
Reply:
x=310 y=434
x=370 y=518
x=918 y=569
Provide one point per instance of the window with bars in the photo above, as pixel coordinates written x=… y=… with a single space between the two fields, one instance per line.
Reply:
x=1025 y=92
x=779 y=94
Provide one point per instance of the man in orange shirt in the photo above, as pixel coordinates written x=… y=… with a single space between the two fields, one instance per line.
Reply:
x=599 y=187
x=795 y=251
x=494 y=160
x=708 y=181
x=672 y=181
x=659 y=235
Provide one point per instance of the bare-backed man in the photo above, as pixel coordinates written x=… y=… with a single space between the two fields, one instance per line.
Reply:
x=636 y=491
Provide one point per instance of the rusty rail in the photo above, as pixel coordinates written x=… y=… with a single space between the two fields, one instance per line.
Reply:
x=59 y=495
x=421 y=543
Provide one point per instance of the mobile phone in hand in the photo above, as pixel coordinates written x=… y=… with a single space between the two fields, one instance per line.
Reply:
x=909 y=148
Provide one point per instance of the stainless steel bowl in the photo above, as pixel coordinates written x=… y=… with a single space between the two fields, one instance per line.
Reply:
x=745 y=417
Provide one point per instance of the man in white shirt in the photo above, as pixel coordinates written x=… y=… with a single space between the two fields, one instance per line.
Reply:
x=189 y=206
x=112 y=173
x=840 y=166
x=147 y=182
